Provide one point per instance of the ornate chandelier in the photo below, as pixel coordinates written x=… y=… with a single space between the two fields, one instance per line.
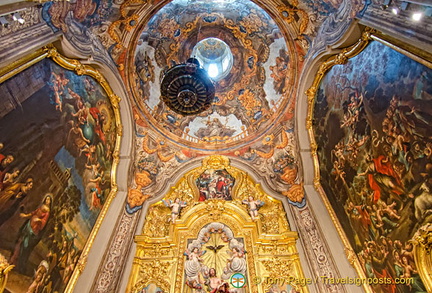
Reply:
x=186 y=88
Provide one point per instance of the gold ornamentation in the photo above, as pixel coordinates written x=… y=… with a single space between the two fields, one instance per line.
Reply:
x=265 y=155
x=157 y=224
x=278 y=267
x=215 y=208
x=162 y=149
x=82 y=262
x=295 y=193
x=155 y=272
x=283 y=268
x=293 y=14
x=423 y=238
x=351 y=255
x=125 y=20
x=422 y=241
x=264 y=238
x=284 y=141
x=289 y=174
x=135 y=196
x=5 y=268
x=249 y=102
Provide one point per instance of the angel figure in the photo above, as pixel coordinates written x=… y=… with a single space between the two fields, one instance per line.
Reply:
x=253 y=205
x=176 y=207
x=193 y=265
x=237 y=262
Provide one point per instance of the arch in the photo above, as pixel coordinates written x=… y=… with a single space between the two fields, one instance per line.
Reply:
x=262 y=238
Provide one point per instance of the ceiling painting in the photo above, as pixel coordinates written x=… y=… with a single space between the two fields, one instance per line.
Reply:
x=110 y=21
x=157 y=159
x=86 y=12
x=247 y=99
x=372 y=120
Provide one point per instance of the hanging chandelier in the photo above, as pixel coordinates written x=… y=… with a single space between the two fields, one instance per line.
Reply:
x=186 y=88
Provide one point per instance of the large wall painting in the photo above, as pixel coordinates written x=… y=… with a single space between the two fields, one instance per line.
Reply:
x=58 y=138
x=372 y=125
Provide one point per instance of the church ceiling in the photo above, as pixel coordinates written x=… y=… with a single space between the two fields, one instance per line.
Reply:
x=247 y=100
x=252 y=119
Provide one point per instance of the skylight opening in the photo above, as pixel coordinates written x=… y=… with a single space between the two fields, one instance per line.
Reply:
x=215 y=56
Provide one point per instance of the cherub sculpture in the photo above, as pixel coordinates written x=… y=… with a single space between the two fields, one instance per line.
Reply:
x=254 y=206
x=176 y=207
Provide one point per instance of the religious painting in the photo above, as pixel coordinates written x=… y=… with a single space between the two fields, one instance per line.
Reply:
x=247 y=95
x=85 y=12
x=58 y=134
x=213 y=258
x=372 y=124
x=215 y=184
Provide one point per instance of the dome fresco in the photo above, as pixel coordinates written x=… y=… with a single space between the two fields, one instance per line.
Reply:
x=248 y=97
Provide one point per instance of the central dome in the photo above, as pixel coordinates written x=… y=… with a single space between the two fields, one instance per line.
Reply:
x=214 y=56
x=242 y=50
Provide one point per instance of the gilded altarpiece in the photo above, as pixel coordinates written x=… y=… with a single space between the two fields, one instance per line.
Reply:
x=186 y=242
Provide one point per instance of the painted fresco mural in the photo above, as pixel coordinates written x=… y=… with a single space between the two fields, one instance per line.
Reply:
x=259 y=83
x=88 y=13
x=157 y=158
x=248 y=101
x=372 y=123
x=110 y=20
x=57 y=140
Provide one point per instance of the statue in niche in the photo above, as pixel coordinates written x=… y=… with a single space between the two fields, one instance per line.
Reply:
x=254 y=206
x=176 y=208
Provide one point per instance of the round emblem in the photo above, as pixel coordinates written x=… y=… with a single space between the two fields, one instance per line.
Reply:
x=238 y=280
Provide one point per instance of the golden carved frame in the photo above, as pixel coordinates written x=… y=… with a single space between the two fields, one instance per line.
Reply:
x=270 y=243
x=414 y=53
x=51 y=52
x=422 y=241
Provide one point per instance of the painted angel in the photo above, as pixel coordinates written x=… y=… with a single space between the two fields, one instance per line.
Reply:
x=176 y=207
x=254 y=206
